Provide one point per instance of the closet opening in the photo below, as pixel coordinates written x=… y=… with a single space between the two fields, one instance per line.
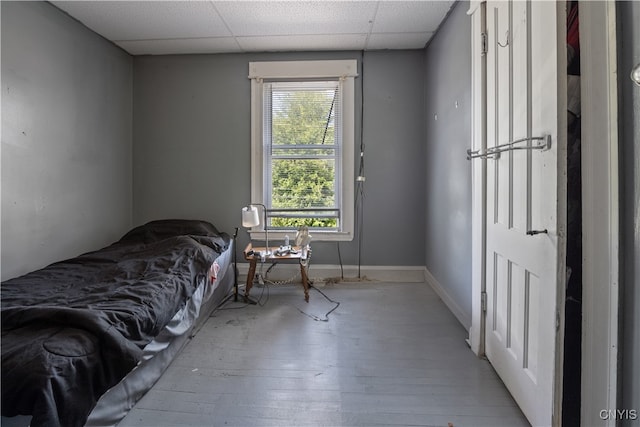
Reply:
x=573 y=307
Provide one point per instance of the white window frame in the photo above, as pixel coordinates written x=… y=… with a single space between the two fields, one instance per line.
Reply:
x=345 y=71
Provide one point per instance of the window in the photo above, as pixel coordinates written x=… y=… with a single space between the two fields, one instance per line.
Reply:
x=303 y=146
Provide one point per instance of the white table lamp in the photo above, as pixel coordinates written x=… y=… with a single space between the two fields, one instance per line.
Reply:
x=250 y=219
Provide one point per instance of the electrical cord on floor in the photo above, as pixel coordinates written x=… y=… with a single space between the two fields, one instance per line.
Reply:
x=265 y=286
x=279 y=282
x=273 y=264
x=268 y=283
x=326 y=316
x=295 y=276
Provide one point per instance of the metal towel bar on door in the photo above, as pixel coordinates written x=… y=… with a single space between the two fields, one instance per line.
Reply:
x=542 y=143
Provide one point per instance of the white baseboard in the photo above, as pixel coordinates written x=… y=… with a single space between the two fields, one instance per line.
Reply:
x=321 y=272
x=457 y=311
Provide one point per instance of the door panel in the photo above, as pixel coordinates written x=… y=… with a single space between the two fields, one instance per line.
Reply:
x=522 y=194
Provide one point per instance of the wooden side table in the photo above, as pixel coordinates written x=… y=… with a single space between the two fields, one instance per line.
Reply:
x=250 y=254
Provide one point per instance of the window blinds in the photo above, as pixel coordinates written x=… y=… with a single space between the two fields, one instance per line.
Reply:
x=302 y=146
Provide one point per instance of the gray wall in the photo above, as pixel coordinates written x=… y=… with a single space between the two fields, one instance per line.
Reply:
x=66 y=138
x=629 y=56
x=192 y=147
x=447 y=81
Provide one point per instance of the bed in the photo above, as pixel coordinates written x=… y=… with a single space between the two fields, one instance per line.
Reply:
x=83 y=339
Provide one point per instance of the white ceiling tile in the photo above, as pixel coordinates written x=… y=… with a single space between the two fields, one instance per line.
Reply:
x=398 y=41
x=180 y=46
x=136 y=20
x=410 y=16
x=253 y=18
x=216 y=26
x=303 y=42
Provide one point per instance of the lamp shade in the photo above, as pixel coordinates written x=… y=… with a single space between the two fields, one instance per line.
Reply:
x=250 y=216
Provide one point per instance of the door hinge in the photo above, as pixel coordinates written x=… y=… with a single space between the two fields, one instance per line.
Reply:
x=483 y=43
x=483 y=301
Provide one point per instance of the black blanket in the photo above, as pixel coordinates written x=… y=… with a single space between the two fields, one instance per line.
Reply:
x=75 y=328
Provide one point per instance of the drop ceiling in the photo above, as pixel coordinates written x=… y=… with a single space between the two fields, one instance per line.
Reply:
x=183 y=27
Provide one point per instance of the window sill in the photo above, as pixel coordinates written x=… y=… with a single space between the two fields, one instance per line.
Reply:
x=316 y=236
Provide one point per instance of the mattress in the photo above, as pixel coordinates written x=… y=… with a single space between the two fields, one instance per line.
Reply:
x=74 y=330
x=114 y=405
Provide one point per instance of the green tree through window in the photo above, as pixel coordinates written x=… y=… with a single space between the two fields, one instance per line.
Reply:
x=303 y=154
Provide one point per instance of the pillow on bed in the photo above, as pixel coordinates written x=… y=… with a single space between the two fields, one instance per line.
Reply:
x=162 y=229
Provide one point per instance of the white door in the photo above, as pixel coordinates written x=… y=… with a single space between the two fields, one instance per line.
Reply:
x=525 y=193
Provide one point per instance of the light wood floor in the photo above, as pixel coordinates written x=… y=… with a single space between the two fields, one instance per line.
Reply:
x=390 y=354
